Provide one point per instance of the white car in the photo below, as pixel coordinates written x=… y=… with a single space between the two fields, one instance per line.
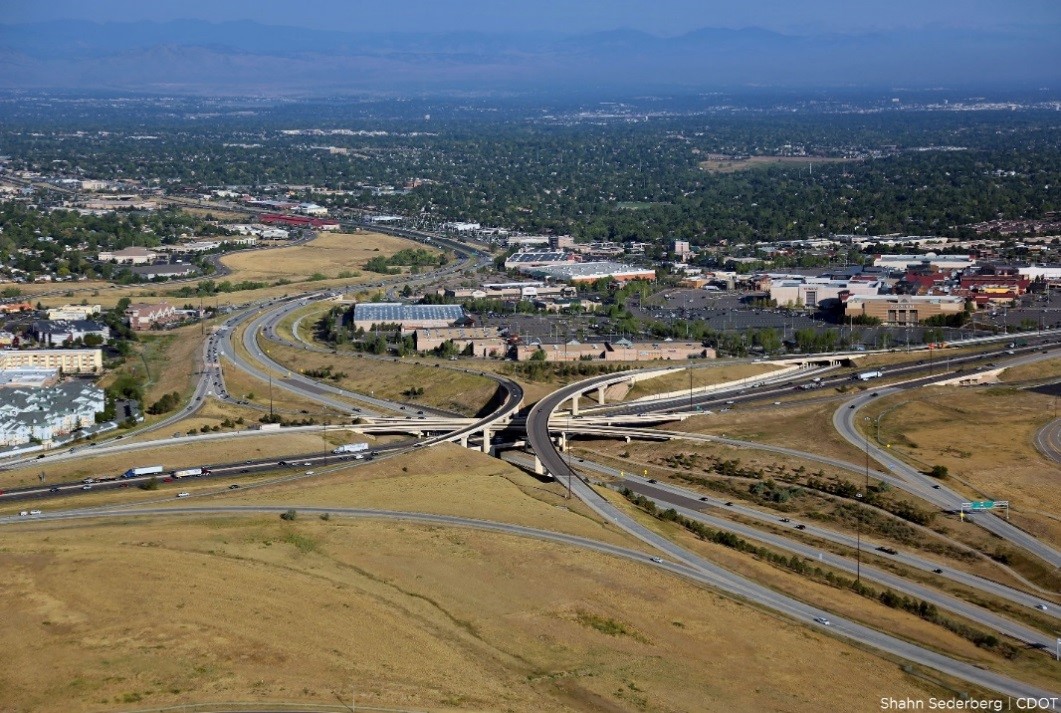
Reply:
x=823 y=621
x=1040 y=607
x=183 y=495
x=657 y=560
x=38 y=512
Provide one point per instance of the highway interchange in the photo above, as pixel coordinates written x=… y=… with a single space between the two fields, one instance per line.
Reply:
x=541 y=425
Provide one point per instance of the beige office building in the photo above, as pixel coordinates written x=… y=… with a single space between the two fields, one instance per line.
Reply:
x=69 y=361
x=903 y=309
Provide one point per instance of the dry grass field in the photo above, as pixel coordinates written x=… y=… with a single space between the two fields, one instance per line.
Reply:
x=395 y=615
x=718 y=163
x=1040 y=371
x=327 y=254
x=715 y=374
x=443 y=388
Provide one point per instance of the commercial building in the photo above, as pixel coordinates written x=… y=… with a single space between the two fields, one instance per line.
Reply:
x=154 y=272
x=591 y=272
x=538 y=258
x=299 y=221
x=68 y=361
x=55 y=333
x=903 y=309
x=682 y=250
x=28 y=376
x=147 y=316
x=74 y=312
x=484 y=341
x=811 y=291
x=619 y=350
x=938 y=262
x=47 y=413
x=131 y=256
x=410 y=317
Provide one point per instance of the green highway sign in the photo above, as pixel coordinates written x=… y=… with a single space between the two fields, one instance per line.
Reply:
x=982 y=505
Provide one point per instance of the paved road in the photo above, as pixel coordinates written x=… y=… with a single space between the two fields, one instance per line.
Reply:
x=699 y=571
x=1048 y=440
x=675 y=495
x=538 y=437
x=928 y=488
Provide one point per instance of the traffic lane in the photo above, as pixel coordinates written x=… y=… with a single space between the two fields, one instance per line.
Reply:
x=681 y=497
x=215 y=471
x=1048 y=440
x=692 y=508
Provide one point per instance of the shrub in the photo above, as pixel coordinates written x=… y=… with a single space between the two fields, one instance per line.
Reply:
x=289 y=515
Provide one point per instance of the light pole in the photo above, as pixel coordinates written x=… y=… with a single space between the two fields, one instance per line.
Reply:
x=690 y=370
x=858 y=540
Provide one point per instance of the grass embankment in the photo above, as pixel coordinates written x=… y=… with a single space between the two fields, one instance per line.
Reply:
x=701 y=376
x=465 y=393
x=400 y=615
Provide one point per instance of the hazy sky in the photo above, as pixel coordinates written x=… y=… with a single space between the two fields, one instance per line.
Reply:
x=664 y=17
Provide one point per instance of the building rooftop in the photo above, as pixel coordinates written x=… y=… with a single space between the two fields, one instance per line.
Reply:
x=591 y=269
x=395 y=312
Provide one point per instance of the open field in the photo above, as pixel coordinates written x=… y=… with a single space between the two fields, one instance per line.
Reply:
x=448 y=480
x=1040 y=371
x=706 y=376
x=984 y=437
x=328 y=254
x=399 y=615
x=443 y=388
x=718 y=163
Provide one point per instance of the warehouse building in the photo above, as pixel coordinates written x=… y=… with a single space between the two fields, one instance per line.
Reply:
x=575 y=273
x=368 y=315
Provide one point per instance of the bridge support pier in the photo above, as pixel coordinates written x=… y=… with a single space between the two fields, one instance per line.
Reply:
x=486 y=440
x=574 y=405
x=464 y=442
x=538 y=467
x=562 y=442
x=600 y=395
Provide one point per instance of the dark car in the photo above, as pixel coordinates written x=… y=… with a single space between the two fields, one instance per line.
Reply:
x=887 y=550
x=801 y=527
x=233 y=486
x=54 y=489
x=785 y=519
x=938 y=570
x=703 y=499
x=652 y=480
x=729 y=504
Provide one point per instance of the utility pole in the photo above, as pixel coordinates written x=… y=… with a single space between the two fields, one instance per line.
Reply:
x=270 y=397
x=690 y=370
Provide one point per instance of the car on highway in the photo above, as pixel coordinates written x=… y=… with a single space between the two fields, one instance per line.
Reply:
x=823 y=621
x=801 y=527
x=38 y=512
x=1040 y=607
x=937 y=570
x=887 y=550
x=652 y=480
x=309 y=472
x=233 y=486
x=183 y=495
x=729 y=504
x=657 y=560
x=86 y=487
x=703 y=499
x=785 y=519
x=53 y=489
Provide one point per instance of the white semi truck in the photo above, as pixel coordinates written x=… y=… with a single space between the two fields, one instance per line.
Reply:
x=351 y=448
x=190 y=471
x=144 y=470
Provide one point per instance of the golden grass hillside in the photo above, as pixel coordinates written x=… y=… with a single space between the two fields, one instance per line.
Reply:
x=152 y=612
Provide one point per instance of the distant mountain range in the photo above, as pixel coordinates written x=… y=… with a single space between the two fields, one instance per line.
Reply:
x=191 y=56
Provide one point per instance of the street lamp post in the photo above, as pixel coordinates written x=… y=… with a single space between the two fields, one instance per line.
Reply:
x=858 y=540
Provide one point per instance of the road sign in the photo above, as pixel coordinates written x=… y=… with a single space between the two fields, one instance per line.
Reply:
x=982 y=505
